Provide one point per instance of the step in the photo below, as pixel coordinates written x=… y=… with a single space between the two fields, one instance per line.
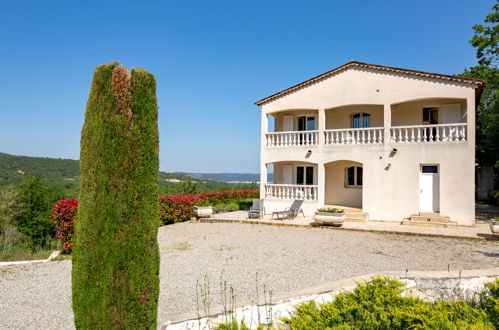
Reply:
x=439 y=219
x=356 y=217
x=408 y=222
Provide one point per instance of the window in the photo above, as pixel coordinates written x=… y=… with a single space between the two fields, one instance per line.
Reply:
x=353 y=177
x=306 y=123
x=429 y=169
x=305 y=175
x=360 y=120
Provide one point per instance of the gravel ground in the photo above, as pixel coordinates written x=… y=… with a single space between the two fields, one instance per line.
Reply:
x=39 y=295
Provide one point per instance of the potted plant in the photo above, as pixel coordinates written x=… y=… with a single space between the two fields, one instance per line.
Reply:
x=494 y=225
x=334 y=217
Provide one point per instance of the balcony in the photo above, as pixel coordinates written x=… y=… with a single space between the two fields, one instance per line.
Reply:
x=291 y=191
x=429 y=133
x=292 y=138
x=370 y=135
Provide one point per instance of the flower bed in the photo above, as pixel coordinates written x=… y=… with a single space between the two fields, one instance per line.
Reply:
x=172 y=208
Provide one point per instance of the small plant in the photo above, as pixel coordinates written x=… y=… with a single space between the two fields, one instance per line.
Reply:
x=334 y=210
x=496 y=219
x=380 y=305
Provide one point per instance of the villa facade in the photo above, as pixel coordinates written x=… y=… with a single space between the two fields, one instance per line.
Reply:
x=391 y=142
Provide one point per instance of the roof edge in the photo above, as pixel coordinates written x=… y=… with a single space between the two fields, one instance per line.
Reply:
x=480 y=83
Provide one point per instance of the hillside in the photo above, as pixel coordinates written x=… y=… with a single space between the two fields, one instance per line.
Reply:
x=64 y=174
x=227 y=177
x=14 y=169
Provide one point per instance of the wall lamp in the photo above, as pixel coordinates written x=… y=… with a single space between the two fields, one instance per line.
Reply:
x=309 y=152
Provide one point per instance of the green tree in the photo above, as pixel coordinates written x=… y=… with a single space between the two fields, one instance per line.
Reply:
x=486 y=39
x=115 y=256
x=189 y=187
x=31 y=214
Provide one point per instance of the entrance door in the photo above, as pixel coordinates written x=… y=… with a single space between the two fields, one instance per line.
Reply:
x=429 y=199
x=287 y=123
x=287 y=174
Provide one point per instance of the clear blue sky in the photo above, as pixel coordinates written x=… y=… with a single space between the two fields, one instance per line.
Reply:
x=212 y=60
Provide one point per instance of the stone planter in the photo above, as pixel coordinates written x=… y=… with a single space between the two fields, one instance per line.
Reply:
x=202 y=211
x=328 y=218
x=494 y=227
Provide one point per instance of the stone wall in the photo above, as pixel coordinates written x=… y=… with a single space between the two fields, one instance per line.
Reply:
x=427 y=285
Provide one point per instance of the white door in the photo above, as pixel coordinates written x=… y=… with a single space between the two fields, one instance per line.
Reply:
x=287 y=123
x=429 y=189
x=287 y=174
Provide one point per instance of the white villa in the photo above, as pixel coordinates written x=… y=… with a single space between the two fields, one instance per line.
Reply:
x=388 y=143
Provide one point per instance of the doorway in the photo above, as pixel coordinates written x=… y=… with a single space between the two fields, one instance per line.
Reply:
x=429 y=189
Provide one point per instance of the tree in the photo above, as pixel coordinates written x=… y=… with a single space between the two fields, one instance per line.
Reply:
x=189 y=187
x=486 y=39
x=115 y=254
x=31 y=214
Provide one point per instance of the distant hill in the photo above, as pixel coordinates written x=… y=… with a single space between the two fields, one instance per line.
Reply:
x=14 y=169
x=65 y=172
x=226 y=177
x=58 y=171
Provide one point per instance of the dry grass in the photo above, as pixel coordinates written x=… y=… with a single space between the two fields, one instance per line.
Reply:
x=180 y=246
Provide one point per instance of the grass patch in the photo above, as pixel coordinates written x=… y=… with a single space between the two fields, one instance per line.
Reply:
x=20 y=256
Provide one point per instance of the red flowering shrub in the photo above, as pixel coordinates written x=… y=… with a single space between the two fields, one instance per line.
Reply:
x=63 y=214
x=172 y=208
x=178 y=208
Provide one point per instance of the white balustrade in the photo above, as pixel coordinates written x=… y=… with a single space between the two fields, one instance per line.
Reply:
x=292 y=138
x=368 y=135
x=291 y=191
x=429 y=133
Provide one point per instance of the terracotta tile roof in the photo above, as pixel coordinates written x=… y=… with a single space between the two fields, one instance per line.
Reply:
x=477 y=82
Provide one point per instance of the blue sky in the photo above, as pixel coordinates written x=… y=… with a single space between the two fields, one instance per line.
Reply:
x=212 y=60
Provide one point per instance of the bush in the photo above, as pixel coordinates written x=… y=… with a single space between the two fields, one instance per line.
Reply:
x=494 y=196
x=31 y=214
x=334 y=210
x=178 y=208
x=490 y=301
x=64 y=215
x=172 y=208
x=379 y=305
x=115 y=273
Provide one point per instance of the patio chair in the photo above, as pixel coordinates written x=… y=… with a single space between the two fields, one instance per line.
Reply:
x=257 y=210
x=290 y=212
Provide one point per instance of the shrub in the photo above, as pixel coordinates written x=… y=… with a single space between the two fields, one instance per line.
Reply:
x=115 y=274
x=490 y=301
x=379 y=305
x=172 y=208
x=335 y=210
x=31 y=214
x=178 y=208
x=64 y=213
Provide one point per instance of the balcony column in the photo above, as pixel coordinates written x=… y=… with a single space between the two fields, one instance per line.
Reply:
x=263 y=179
x=321 y=184
x=321 y=126
x=387 y=124
x=470 y=120
x=263 y=145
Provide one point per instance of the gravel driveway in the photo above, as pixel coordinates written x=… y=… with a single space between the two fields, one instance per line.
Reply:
x=286 y=258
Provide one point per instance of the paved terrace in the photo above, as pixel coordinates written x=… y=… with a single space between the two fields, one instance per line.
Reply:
x=480 y=231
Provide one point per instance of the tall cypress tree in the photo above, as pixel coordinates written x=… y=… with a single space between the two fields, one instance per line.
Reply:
x=115 y=257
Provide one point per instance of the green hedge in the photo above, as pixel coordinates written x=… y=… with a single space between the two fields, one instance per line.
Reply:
x=115 y=269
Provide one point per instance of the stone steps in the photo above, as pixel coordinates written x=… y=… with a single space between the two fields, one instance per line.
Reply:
x=356 y=216
x=428 y=219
